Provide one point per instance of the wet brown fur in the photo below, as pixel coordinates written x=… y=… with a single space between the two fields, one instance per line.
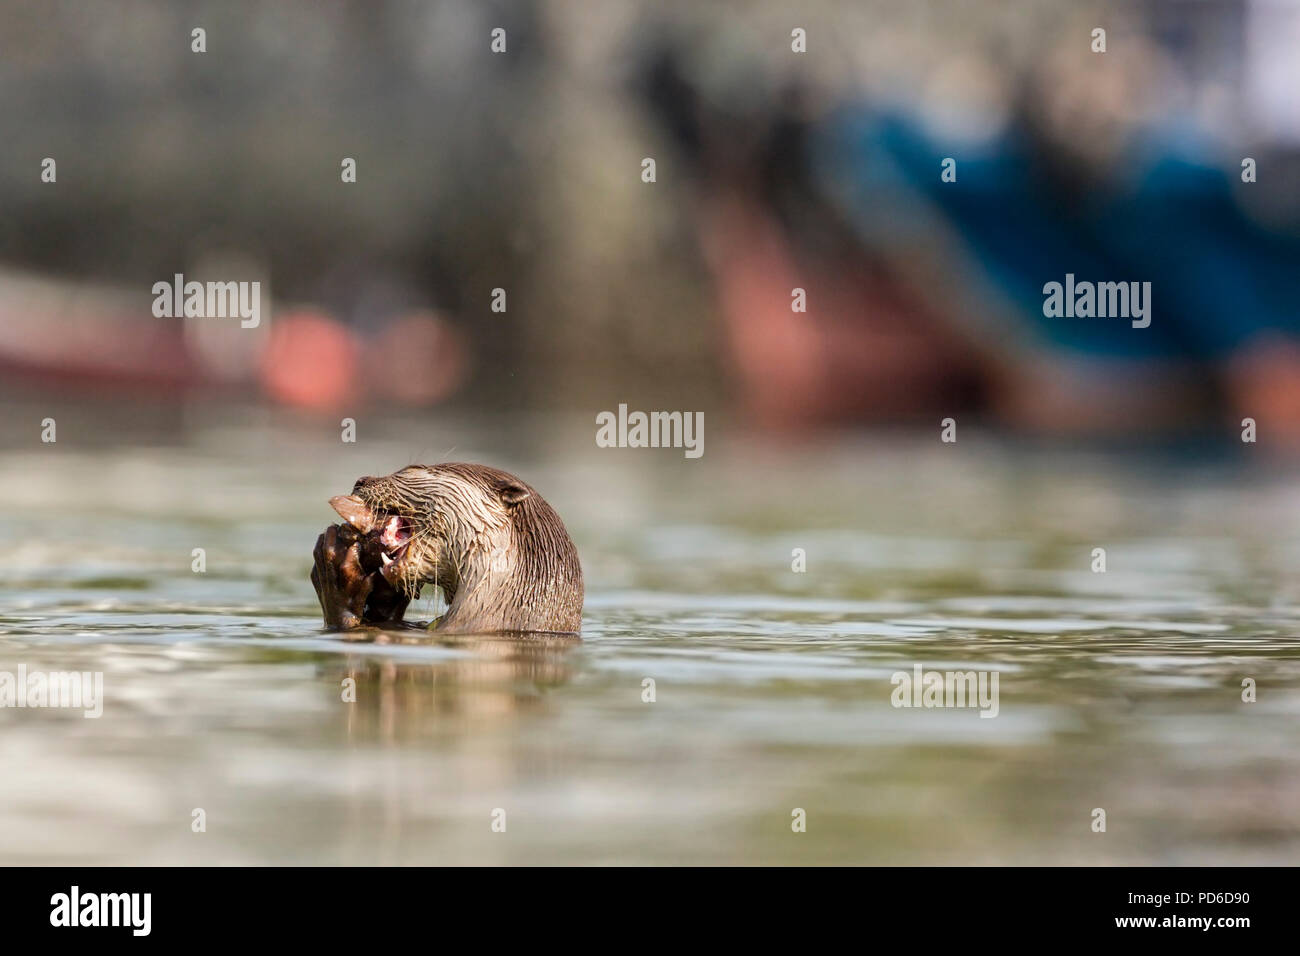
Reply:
x=500 y=553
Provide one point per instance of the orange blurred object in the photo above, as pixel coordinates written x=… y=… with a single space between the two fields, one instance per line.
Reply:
x=311 y=361
x=417 y=359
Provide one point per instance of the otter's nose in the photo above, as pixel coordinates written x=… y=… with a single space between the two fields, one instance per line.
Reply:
x=362 y=482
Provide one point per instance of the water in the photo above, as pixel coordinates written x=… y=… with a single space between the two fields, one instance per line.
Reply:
x=1120 y=691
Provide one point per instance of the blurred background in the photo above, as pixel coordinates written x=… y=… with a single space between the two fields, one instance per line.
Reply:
x=775 y=170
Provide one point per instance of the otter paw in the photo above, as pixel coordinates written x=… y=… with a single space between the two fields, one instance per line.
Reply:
x=352 y=593
x=342 y=586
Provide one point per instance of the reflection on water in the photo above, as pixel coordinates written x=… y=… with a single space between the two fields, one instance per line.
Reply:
x=492 y=679
x=772 y=688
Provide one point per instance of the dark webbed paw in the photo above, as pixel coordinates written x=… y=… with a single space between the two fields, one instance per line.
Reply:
x=348 y=582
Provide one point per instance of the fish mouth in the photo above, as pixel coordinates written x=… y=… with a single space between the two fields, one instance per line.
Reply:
x=385 y=536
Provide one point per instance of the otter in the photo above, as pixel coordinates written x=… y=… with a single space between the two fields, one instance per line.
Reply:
x=499 y=552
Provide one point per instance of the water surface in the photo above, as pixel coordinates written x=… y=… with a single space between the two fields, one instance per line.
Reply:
x=1119 y=690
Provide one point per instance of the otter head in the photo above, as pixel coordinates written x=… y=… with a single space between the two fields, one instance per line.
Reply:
x=499 y=552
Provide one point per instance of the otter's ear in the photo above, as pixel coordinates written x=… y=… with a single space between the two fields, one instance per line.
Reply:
x=513 y=493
